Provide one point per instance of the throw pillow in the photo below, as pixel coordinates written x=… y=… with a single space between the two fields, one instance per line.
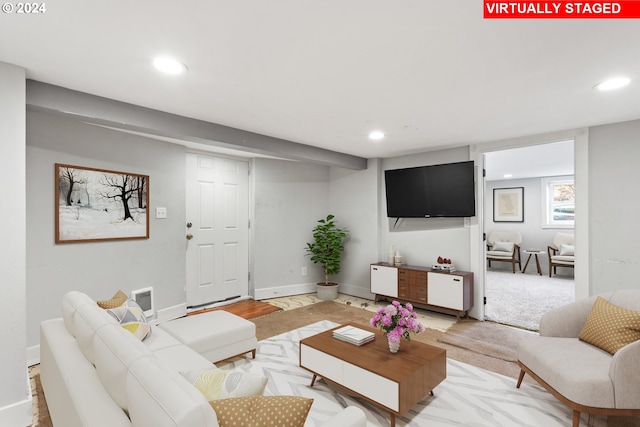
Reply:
x=131 y=317
x=262 y=411
x=610 y=327
x=116 y=301
x=221 y=384
x=503 y=247
x=567 y=250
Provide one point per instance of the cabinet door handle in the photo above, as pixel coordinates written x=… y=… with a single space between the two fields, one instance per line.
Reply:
x=456 y=280
x=375 y=268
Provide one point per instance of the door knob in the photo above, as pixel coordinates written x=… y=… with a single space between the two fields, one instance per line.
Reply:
x=189 y=236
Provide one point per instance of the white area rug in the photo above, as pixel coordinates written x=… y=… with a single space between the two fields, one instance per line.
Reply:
x=520 y=300
x=469 y=396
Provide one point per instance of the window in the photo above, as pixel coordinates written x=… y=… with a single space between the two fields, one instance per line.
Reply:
x=559 y=202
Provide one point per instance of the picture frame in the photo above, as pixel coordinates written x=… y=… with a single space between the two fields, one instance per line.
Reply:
x=100 y=205
x=508 y=204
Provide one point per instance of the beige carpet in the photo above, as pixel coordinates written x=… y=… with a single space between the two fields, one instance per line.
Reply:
x=486 y=345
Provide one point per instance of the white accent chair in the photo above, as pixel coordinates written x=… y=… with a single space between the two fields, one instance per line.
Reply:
x=580 y=375
x=562 y=252
x=504 y=246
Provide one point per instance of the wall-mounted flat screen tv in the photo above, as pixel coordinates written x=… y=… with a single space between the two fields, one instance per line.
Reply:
x=446 y=190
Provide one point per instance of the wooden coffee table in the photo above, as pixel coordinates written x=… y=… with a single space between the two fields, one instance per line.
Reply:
x=394 y=382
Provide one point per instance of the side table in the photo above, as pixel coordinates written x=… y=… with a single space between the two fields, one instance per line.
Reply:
x=535 y=253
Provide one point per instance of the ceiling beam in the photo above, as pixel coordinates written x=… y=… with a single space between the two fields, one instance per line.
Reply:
x=43 y=97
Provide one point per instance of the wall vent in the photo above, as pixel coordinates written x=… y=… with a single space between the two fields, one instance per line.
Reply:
x=144 y=298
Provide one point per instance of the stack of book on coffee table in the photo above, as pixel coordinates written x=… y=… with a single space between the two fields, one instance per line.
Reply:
x=354 y=335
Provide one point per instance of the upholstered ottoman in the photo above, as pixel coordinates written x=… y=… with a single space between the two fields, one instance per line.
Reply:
x=216 y=335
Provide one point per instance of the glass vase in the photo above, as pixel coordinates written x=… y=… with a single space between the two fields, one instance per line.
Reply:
x=394 y=346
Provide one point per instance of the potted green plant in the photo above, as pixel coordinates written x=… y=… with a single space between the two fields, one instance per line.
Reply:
x=326 y=250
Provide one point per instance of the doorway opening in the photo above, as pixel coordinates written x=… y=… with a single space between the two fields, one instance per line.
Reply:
x=518 y=201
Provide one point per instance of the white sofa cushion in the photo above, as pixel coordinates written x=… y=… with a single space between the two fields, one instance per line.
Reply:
x=160 y=339
x=75 y=395
x=159 y=397
x=181 y=358
x=115 y=349
x=70 y=303
x=87 y=320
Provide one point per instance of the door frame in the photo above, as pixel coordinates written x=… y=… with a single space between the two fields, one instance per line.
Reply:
x=581 y=174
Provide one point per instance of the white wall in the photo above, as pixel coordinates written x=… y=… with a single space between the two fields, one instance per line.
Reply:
x=533 y=235
x=289 y=198
x=15 y=396
x=614 y=155
x=101 y=268
x=354 y=200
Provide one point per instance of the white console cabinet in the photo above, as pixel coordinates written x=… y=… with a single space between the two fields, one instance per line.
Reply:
x=384 y=280
x=423 y=287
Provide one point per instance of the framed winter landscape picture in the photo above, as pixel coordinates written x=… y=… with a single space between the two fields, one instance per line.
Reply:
x=96 y=204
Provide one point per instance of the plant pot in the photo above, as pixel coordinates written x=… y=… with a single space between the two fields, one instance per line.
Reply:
x=327 y=292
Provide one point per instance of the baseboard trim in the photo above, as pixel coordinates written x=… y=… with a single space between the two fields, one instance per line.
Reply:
x=19 y=413
x=284 y=291
x=307 y=288
x=170 y=313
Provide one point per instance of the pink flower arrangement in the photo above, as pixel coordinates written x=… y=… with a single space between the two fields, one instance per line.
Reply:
x=397 y=320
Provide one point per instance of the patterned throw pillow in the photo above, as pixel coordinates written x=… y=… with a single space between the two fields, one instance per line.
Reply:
x=131 y=317
x=116 y=301
x=262 y=411
x=221 y=384
x=610 y=327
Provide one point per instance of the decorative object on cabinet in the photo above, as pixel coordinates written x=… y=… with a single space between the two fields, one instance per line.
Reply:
x=444 y=264
x=326 y=250
x=96 y=204
x=424 y=287
x=508 y=204
x=562 y=252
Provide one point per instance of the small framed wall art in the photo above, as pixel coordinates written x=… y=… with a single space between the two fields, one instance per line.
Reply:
x=508 y=204
x=97 y=204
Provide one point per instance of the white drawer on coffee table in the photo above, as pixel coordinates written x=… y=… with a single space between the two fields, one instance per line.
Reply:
x=375 y=387
x=321 y=363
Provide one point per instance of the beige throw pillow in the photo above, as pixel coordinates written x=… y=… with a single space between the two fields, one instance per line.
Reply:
x=262 y=411
x=116 y=301
x=610 y=327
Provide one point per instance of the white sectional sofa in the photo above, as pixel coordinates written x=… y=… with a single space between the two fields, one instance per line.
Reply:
x=94 y=373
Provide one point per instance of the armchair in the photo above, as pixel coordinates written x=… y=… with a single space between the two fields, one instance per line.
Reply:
x=504 y=246
x=580 y=375
x=561 y=253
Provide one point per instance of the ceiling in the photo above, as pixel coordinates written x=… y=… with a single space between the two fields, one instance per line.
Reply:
x=430 y=74
x=534 y=161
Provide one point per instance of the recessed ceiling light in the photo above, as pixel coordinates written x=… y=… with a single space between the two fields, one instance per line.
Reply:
x=614 y=83
x=376 y=135
x=169 y=65
x=507 y=175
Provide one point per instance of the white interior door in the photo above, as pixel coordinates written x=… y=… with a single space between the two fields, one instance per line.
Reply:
x=217 y=209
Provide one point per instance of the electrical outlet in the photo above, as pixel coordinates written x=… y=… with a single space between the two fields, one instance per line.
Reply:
x=304 y=271
x=161 y=213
